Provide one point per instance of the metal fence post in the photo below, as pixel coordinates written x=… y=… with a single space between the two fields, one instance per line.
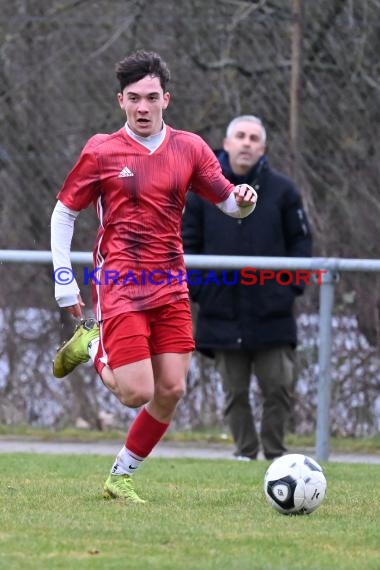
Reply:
x=326 y=302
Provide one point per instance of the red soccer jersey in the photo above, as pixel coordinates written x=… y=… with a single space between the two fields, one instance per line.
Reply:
x=139 y=196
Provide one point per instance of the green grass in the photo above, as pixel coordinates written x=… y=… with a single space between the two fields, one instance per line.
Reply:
x=201 y=515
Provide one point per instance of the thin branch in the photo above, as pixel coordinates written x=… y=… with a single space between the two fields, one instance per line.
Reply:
x=370 y=81
x=65 y=7
x=232 y=63
x=112 y=39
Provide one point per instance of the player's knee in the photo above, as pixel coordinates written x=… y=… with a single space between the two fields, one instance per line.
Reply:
x=134 y=398
x=172 y=393
x=178 y=393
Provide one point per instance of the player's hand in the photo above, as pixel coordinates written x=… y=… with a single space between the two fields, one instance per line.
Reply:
x=245 y=195
x=76 y=310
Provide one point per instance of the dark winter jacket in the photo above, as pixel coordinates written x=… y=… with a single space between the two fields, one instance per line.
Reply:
x=247 y=316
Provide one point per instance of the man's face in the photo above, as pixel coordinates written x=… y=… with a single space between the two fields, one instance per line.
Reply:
x=245 y=146
x=144 y=103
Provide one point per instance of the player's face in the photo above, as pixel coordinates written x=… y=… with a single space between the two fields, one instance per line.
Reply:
x=144 y=103
x=245 y=146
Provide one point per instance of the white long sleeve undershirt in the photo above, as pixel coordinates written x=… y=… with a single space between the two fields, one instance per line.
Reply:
x=62 y=229
x=230 y=207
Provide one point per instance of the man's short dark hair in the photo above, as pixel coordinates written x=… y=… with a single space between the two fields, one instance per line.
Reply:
x=140 y=64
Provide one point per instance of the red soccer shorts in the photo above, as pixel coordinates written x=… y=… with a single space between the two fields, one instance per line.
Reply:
x=134 y=336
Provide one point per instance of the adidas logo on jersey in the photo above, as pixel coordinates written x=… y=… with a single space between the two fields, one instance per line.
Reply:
x=125 y=172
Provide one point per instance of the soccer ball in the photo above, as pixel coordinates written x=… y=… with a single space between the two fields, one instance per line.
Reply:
x=294 y=484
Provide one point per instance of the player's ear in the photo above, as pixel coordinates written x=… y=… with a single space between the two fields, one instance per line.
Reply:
x=120 y=100
x=166 y=100
x=226 y=145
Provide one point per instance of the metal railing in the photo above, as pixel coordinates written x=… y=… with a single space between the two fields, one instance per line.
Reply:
x=332 y=268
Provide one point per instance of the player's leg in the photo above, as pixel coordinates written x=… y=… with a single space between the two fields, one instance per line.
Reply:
x=274 y=369
x=170 y=342
x=170 y=372
x=235 y=370
x=134 y=386
x=124 y=364
x=152 y=421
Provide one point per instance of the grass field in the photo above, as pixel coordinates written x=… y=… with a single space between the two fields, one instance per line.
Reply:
x=201 y=515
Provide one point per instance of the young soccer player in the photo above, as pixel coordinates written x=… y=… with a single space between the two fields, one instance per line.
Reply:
x=137 y=178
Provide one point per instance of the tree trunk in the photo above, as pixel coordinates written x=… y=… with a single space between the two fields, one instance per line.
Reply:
x=295 y=86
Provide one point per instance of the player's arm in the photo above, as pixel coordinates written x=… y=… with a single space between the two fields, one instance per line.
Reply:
x=79 y=190
x=66 y=288
x=240 y=203
x=208 y=181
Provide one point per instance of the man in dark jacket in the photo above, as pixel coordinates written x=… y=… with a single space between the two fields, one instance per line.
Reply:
x=244 y=325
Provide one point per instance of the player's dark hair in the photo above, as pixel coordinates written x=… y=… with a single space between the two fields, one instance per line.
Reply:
x=139 y=64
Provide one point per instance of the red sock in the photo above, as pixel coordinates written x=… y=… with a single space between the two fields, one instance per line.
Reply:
x=144 y=433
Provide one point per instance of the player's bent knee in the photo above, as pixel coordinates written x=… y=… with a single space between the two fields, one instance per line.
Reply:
x=172 y=393
x=177 y=394
x=135 y=399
